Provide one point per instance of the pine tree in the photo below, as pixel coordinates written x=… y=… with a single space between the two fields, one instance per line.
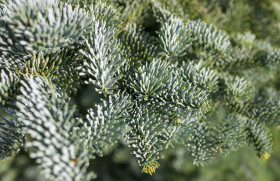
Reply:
x=161 y=73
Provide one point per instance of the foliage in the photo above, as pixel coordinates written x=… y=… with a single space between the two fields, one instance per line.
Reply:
x=162 y=74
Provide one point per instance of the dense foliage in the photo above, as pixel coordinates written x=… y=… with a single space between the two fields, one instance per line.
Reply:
x=176 y=77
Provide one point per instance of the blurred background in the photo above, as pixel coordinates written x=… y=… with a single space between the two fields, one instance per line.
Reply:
x=262 y=18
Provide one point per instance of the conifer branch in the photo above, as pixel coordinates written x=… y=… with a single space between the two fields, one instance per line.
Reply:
x=103 y=58
x=48 y=118
x=11 y=137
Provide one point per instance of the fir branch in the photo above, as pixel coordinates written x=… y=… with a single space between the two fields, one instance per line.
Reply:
x=48 y=118
x=104 y=126
x=149 y=80
x=209 y=38
x=237 y=89
x=143 y=138
x=103 y=58
x=42 y=25
x=8 y=85
x=11 y=137
x=48 y=49
x=174 y=37
x=231 y=134
x=259 y=136
x=178 y=131
x=182 y=100
x=200 y=145
x=266 y=111
x=104 y=11
x=204 y=78
x=139 y=44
